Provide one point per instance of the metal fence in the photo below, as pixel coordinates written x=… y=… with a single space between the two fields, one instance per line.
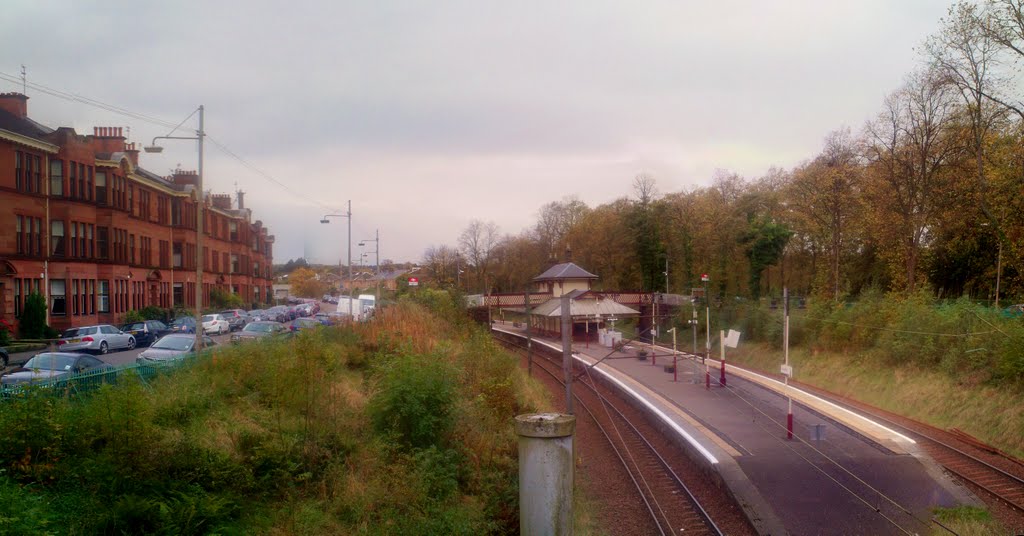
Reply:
x=74 y=385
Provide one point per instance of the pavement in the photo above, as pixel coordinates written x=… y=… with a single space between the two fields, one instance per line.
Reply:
x=859 y=478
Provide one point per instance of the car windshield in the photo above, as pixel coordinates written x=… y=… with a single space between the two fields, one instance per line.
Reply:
x=68 y=333
x=228 y=313
x=174 y=343
x=137 y=325
x=184 y=322
x=51 y=362
x=259 y=327
x=209 y=318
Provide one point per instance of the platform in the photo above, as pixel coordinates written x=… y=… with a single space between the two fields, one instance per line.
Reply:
x=842 y=473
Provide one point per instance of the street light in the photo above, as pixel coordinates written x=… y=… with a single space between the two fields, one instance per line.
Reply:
x=376 y=249
x=154 y=148
x=349 y=216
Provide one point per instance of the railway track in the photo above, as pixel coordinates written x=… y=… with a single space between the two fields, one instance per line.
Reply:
x=672 y=506
x=993 y=471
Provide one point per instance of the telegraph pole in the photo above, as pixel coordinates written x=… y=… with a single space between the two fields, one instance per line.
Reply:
x=786 y=370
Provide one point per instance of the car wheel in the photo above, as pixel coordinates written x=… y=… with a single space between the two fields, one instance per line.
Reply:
x=103 y=348
x=131 y=343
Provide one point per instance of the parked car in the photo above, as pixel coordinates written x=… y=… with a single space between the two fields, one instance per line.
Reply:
x=258 y=330
x=304 y=324
x=52 y=365
x=257 y=315
x=324 y=319
x=100 y=339
x=185 y=324
x=171 y=347
x=278 y=313
x=215 y=324
x=1014 y=310
x=146 y=332
x=237 y=318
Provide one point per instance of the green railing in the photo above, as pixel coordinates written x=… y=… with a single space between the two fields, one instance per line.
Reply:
x=86 y=382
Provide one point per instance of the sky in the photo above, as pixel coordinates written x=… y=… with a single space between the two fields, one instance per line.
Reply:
x=427 y=115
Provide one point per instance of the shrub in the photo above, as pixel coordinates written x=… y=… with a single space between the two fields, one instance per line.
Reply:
x=155 y=313
x=133 y=316
x=415 y=401
x=222 y=299
x=33 y=318
x=5 y=333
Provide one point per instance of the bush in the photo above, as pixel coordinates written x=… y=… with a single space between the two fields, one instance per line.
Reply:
x=221 y=299
x=415 y=401
x=33 y=318
x=133 y=316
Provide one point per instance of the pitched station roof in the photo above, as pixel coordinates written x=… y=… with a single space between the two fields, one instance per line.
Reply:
x=583 y=307
x=565 y=270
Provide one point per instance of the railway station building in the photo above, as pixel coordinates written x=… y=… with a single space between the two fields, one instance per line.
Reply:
x=589 y=310
x=82 y=224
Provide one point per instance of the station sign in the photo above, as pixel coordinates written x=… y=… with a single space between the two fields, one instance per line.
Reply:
x=414 y=282
x=704 y=277
x=787 y=371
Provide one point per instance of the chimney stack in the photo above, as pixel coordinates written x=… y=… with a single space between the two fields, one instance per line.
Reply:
x=15 y=104
x=241 y=200
x=132 y=152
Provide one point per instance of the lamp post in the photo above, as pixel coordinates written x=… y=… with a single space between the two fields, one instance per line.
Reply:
x=154 y=148
x=376 y=250
x=350 y=281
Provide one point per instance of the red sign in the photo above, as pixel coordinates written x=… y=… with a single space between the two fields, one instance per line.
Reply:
x=414 y=281
x=704 y=277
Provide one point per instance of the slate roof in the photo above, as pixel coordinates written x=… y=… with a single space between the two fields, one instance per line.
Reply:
x=584 y=307
x=566 y=270
x=23 y=126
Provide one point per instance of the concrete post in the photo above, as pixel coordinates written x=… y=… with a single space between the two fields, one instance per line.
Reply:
x=546 y=471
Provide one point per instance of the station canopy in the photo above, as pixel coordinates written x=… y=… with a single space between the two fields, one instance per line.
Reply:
x=583 y=304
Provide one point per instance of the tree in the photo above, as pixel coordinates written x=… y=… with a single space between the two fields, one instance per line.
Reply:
x=476 y=243
x=764 y=244
x=443 y=264
x=554 y=222
x=650 y=250
x=825 y=194
x=910 y=147
x=306 y=284
x=33 y=317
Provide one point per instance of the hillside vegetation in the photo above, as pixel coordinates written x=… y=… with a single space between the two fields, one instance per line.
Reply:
x=400 y=426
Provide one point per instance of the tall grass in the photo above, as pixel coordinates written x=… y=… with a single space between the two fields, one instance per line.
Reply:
x=399 y=426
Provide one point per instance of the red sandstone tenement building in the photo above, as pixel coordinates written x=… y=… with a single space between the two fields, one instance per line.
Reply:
x=98 y=236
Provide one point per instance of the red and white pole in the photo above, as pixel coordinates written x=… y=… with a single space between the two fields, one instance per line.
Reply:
x=785 y=345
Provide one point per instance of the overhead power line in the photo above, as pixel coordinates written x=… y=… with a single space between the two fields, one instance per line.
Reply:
x=158 y=122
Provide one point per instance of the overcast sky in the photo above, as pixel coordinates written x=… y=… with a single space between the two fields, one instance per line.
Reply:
x=430 y=114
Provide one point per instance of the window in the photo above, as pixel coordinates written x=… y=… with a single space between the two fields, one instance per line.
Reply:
x=87 y=173
x=176 y=260
x=101 y=187
x=102 y=243
x=131 y=199
x=19 y=170
x=74 y=239
x=131 y=248
x=57 y=178
x=57 y=238
x=17 y=298
x=234 y=264
x=82 y=241
x=89 y=240
x=74 y=297
x=81 y=181
x=92 y=296
x=104 y=296
x=72 y=180
x=234 y=231
x=58 y=304
x=21 y=240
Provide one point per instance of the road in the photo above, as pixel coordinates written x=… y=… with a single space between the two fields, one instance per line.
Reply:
x=125 y=357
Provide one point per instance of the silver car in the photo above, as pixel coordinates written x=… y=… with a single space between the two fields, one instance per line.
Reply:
x=53 y=365
x=171 y=347
x=100 y=339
